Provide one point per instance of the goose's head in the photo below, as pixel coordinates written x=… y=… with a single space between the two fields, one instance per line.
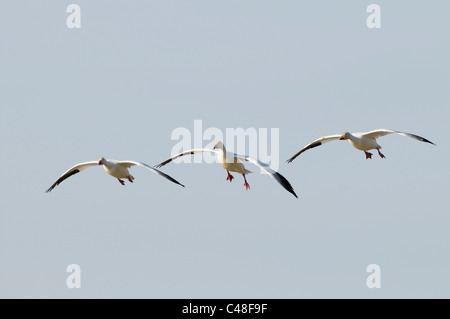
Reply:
x=101 y=160
x=218 y=145
x=345 y=136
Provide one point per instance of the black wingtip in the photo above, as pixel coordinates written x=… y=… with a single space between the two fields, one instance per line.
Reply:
x=417 y=137
x=286 y=185
x=293 y=193
x=174 y=181
x=50 y=189
x=290 y=160
x=427 y=141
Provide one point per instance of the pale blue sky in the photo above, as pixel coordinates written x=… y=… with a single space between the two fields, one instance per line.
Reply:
x=137 y=70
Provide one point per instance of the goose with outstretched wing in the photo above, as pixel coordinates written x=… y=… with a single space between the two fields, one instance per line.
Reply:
x=361 y=141
x=234 y=163
x=117 y=169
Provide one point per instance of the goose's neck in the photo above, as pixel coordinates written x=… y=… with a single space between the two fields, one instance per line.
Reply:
x=352 y=137
x=222 y=152
x=106 y=163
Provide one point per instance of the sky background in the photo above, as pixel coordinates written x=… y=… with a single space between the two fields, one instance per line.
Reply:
x=137 y=70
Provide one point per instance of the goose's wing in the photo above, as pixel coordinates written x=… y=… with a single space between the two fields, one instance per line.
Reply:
x=275 y=175
x=72 y=171
x=154 y=170
x=190 y=152
x=378 y=133
x=316 y=143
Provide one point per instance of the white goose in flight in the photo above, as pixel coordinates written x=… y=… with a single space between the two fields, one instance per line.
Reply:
x=234 y=163
x=117 y=169
x=361 y=141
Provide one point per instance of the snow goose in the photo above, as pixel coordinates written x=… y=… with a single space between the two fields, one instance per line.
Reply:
x=117 y=169
x=234 y=163
x=361 y=141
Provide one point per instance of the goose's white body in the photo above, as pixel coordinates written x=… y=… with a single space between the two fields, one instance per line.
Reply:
x=230 y=162
x=363 y=142
x=117 y=169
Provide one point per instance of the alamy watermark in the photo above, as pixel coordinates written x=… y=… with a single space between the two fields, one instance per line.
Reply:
x=373 y=21
x=73 y=20
x=253 y=142
x=74 y=279
x=374 y=279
